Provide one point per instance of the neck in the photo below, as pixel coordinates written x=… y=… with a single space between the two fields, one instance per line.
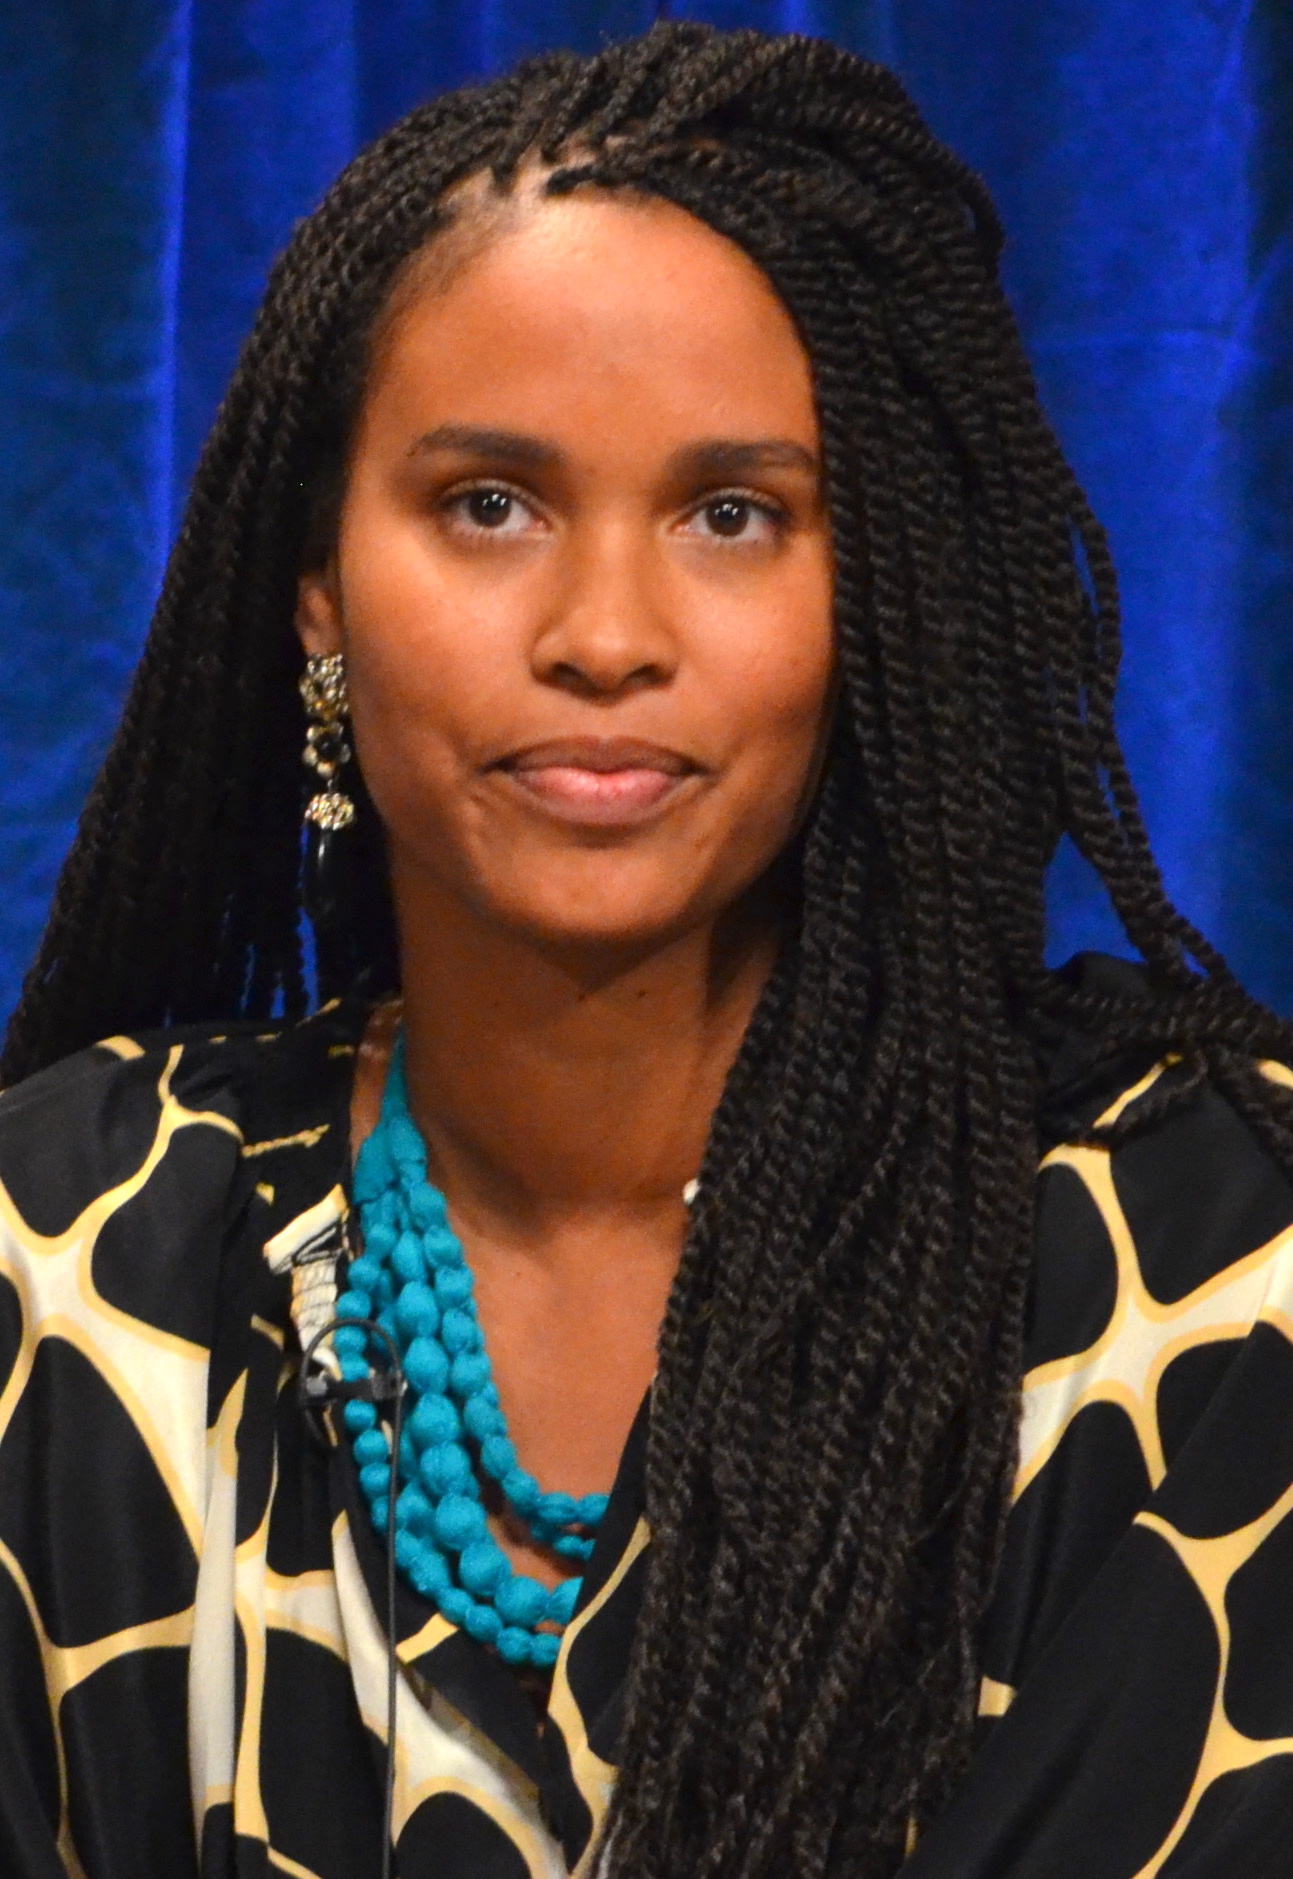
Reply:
x=549 y=1084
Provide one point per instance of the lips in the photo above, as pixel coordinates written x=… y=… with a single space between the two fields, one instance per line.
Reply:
x=599 y=782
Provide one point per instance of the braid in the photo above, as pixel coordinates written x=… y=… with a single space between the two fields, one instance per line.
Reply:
x=835 y=1416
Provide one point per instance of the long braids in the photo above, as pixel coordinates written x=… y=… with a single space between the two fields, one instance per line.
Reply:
x=834 y=1421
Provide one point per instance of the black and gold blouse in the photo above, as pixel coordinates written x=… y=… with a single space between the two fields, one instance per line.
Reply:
x=192 y=1666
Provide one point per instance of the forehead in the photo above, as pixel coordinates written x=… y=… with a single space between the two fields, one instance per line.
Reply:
x=588 y=299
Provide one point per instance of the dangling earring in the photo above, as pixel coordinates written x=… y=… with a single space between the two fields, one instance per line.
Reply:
x=323 y=692
x=329 y=866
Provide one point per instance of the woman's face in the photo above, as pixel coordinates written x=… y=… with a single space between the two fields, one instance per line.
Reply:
x=582 y=578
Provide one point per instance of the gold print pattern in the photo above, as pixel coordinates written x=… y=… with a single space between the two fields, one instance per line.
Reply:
x=1126 y=1363
x=594 y=1777
x=1212 y=1564
x=67 y=1305
x=995 y=1698
x=223 y=1482
x=1124 y=1366
x=437 y=1752
x=303 y=1138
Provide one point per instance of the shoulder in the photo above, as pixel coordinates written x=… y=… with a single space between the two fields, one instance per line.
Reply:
x=200 y=1101
x=1165 y=1215
x=1187 y=1209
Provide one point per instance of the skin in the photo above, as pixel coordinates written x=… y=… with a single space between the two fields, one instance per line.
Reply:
x=582 y=582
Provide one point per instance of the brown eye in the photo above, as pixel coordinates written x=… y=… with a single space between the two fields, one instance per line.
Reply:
x=489 y=508
x=729 y=515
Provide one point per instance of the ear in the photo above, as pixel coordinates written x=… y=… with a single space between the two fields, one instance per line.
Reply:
x=318 y=610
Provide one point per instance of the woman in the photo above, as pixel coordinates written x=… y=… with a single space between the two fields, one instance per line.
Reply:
x=640 y=453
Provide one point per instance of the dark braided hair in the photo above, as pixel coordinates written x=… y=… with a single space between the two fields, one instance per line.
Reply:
x=835 y=1416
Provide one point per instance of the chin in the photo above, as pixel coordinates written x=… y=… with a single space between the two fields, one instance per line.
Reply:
x=608 y=928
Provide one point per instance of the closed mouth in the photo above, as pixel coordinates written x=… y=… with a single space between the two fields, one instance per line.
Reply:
x=601 y=755
x=600 y=781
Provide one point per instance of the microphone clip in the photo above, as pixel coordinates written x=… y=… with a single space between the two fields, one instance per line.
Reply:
x=316 y=1388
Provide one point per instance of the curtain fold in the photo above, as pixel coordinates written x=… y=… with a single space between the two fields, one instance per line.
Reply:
x=154 y=155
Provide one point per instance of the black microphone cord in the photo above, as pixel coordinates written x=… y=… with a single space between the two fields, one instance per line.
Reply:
x=315 y=1390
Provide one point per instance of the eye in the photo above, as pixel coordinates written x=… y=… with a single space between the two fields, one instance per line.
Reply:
x=489 y=508
x=735 y=517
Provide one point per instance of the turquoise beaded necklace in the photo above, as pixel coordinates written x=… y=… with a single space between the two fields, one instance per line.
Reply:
x=413 y=1279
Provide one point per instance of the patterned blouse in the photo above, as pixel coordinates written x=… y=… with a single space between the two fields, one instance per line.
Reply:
x=192 y=1667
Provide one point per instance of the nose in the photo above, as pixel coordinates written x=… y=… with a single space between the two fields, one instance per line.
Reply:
x=608 y=630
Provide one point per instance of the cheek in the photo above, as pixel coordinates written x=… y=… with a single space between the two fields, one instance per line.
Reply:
x=426 y=664
x=779 y=691
x=405 y=702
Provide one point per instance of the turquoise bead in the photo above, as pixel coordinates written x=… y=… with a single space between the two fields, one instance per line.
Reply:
x=522 y=1490
x=407 y=1260
x=458 y=1521
x=351 y=1341
x=498 y=1456
x=453 y=1285
x=513 y=1645
x=521 y=1601
x=484 y=1624
x=562 y=1601
x=468 y=1371
x=483 y=1567
x=378 y=1219
x=545 y=1649
x=379 y=1224
x=358 y=1416
x=371 y=1446
x=426 y=1366
x=404 y=1144
x=481 y=1419
x=430 y=1573
x=426 y=1207
x=414 y=1510
x=445 y=1469
x=364 y=1273
x=442 y=1249
x=416 y=1311
x=354 y=1366
x=379 y=1230
x=457 y=1331
x=592 y=1508
x=456 y=1605
x=434 y=1420
x=373 y=1169
x=570 y=1546
x=354 y=1304
x=375 y=1480
x=560 y=1510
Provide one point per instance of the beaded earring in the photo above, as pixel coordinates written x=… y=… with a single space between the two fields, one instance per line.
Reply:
x=323 y=693
x=329 y=813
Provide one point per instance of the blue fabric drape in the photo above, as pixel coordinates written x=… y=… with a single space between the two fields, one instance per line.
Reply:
x=154 y=155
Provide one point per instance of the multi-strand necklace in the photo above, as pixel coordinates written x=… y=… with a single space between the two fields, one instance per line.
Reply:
x=413 y=1279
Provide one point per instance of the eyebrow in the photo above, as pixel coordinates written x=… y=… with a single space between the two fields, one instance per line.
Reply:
x=478 y=441
x=722 y=458
x=718 y=458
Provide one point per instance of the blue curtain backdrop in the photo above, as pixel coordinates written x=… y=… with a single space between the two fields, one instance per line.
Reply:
x=154 y=155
